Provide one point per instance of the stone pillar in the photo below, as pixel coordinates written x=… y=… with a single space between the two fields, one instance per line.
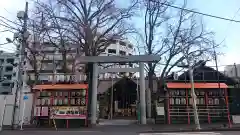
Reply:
x=94 y=94
x=149 y=104
x=142 y=95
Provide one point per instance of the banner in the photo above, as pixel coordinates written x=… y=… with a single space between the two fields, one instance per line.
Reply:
x=59 y=109
x=68 y=112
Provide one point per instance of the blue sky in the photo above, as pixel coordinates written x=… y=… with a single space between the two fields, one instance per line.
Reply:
x=222 y=29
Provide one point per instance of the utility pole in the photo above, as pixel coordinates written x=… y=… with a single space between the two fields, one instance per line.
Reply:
x=236 y=74
x=235 y=69
x=216 y=63
x=19 y=92
x=111 y=107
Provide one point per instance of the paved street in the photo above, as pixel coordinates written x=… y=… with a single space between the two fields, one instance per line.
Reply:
x=111 y=133
x=119 y=127
x=195 y=133
x=65 y=133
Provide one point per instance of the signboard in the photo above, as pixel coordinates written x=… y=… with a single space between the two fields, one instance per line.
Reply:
x=25 y=97
x=160 y=110
x=65 y=112
x=236 y=119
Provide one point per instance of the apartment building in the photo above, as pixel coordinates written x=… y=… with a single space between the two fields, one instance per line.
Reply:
x=118 y=48
x=6 y=70
x=8 y=84
x=51 y=61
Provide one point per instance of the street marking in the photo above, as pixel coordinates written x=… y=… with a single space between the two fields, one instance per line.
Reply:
x=183 y=133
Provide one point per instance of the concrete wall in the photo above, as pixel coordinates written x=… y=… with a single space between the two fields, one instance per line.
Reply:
x=10 y=104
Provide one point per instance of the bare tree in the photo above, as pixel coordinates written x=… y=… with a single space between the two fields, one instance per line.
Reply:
x=34 y=57
x=194 y=55
x=188 y=41
x=154 y=17
x=165 y=32
x=90 y=25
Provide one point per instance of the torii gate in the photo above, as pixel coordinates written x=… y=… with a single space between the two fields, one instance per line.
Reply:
x=141 y=59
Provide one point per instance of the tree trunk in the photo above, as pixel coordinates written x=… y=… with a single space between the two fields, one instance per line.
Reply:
x=149 y=92
x=162 y=90
x=89 y=78
x=64 y=67
x=194 y=98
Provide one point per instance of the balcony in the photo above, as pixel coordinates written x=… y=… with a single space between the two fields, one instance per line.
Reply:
x=6 y=86
x=56 y=56
x=5 y=89
x=8 y=70
x=59 y=78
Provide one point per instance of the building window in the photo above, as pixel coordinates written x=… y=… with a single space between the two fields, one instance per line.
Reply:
x=10 y=61
x=112 y=51
x=72 y=51
x=122 y=73
x=122 y=43
x=9 y=77
x=122 y=52
x=48 y=51
x=6 y=84
x=130 y=46
x=114 y=41
x=46 y=61
x=8 y=69
x=1 y=61
x=122 y=63
x=130 y=65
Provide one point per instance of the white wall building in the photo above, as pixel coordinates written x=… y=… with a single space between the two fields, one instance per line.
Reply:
x=52 y=54
x=119 y=48
x=9 y=74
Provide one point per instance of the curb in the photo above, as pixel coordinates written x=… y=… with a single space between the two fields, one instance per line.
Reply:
x=192 y=130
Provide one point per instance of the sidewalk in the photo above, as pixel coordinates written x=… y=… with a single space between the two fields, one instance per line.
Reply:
x=191 y=128
x=149 y=128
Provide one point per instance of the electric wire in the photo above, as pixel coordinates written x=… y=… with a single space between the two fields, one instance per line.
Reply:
x=226 y=31
x=173 y=6
x=200 y=13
